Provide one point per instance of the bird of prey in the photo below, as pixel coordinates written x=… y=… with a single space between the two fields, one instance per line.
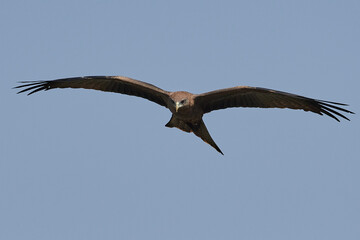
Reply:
x=188 y=109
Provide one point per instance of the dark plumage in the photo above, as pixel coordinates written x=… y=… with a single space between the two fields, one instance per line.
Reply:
x=187 y=108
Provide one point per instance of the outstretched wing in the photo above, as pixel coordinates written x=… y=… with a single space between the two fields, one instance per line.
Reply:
x=117 y=84
x=243 y=96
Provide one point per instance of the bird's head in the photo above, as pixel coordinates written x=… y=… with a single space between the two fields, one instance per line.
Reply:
x=179 y=100
x=179 y=104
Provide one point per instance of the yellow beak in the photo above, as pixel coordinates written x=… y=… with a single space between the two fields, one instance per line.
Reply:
x=177 y=106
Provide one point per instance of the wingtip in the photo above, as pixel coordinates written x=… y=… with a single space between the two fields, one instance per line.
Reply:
x=330 y=110
x=32 y=87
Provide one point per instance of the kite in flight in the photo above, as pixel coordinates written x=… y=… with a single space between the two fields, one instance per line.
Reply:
x=188 y=109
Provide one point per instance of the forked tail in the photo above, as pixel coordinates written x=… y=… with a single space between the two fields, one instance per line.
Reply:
x=199 y=130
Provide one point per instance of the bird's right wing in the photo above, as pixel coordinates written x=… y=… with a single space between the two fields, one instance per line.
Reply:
x=117 y=84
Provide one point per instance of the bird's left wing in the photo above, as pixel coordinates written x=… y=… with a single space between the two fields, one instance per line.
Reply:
x=117 y=84
x=243 y=96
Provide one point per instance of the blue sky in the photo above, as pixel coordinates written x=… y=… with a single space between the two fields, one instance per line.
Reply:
x=82 y=164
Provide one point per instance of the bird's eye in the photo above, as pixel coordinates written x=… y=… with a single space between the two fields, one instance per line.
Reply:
x=172 y=101
x=183 y=101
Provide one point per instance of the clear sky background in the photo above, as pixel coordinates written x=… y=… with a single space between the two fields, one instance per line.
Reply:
x=82 y=164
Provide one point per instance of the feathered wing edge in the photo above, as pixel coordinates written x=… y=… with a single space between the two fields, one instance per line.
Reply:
x=117 y=84
x=30 y=85
x=267 y=98
x=327 y=108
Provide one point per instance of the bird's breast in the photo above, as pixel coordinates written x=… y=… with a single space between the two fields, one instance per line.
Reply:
x=188 y=115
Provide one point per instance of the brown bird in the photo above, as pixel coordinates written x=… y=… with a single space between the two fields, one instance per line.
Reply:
x=187 y=109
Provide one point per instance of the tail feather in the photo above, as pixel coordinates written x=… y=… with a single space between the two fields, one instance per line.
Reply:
x=201 y=131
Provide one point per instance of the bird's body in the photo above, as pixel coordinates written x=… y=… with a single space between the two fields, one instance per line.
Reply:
x=188 y=109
